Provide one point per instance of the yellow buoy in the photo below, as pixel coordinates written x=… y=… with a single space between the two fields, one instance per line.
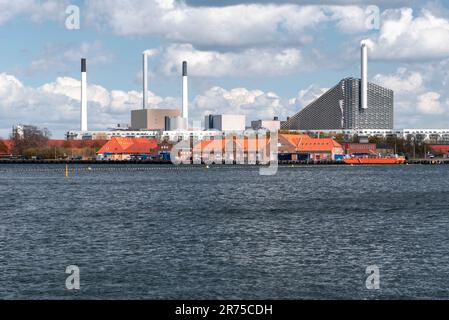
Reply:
x=66 y=170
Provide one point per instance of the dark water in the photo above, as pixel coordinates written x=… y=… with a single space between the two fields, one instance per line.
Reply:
x=227 y=232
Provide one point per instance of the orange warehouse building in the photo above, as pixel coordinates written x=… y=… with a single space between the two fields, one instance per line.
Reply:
x=440 y=149
x=303 y=147
x=241 y=150
x=122 y=148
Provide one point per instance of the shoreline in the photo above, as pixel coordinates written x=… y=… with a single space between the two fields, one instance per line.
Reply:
x=164 y=162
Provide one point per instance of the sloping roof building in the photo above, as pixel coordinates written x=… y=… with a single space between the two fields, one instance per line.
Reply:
x=123 y=147
x=317 y=148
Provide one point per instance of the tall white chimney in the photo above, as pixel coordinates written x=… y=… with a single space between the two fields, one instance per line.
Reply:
x=145 y=80
x=185 y=92
x=83 y=95
x=364 y=76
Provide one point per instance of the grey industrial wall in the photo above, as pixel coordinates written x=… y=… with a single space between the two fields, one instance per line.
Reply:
x=339 y=108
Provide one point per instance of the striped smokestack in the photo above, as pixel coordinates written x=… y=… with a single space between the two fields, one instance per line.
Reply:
x=83 y=95
x=185 y=92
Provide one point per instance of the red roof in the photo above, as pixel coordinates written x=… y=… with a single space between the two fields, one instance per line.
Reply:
x=441 y=148
x=124 y=145
x=9 y=145
x=305 y=143
x=367 y=148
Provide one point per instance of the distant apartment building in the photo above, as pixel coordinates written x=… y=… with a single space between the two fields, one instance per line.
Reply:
x=152 y=119
x=225 y=122
x=340 y=109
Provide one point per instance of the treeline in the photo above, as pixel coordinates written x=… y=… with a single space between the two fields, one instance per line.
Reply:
x=411 y=147
x=59 y=153
x=29 y=137
x=33 y=142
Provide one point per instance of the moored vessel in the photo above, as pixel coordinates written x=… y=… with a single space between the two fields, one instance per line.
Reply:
x=375 y=160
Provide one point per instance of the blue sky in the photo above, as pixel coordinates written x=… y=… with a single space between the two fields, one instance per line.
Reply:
x=258 y=58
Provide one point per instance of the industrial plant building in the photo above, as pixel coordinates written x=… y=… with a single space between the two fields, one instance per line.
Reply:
x=152 y=119
x=352 y=107
x=271 y=125
x=340 y=109
x=225 y=122
x=353 y=104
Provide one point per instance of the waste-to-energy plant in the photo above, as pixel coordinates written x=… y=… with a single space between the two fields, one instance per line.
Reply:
x=162 y=123
x=352 y=104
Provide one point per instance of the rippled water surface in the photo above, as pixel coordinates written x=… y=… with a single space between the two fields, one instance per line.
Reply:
x=162 y=232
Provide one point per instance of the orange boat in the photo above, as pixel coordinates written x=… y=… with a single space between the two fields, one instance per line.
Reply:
x=375 y=160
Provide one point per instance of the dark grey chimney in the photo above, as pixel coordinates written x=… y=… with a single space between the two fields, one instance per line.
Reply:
x=83 y=65
x=184 y=68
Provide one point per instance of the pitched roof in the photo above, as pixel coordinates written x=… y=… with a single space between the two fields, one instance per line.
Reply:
x=294 y=139
x=124 y=145
x=305 y=143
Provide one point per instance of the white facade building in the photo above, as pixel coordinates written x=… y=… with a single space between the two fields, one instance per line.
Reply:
x=225 y=122
x=271 y=125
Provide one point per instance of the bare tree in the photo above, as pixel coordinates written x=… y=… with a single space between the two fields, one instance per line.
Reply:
x=29 y=137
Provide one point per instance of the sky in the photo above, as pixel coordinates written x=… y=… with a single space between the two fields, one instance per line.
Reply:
x=259 y=58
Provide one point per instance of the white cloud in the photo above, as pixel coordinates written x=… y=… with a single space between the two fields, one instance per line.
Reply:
x=306 y=96
x=56 y=105
x=420 y=99
x=70 y=88
x=429 y=103
x=349 y=19
x=383 y=3
x=254 y=104
x=37 y=11
x=403 y=81
x=56 y=57
x=237 y=25
x=405 y=36
x=217 y=64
